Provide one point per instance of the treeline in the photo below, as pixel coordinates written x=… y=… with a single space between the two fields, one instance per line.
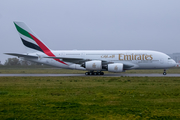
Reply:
x=15 y=62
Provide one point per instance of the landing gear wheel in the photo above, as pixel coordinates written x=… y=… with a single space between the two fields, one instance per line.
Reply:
x=102 y=73
x=87 y=73
x=164 y=73
x=99 y=73
x=94 y=73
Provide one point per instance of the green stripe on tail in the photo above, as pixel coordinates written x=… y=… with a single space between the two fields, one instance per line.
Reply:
x=22 y=31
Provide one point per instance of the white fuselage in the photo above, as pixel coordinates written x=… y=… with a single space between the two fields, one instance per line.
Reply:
x=139 y=59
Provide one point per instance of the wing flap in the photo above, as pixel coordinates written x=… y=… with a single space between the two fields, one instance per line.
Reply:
x=73 y=60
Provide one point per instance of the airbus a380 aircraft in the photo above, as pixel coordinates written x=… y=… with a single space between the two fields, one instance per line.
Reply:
x=92 y=60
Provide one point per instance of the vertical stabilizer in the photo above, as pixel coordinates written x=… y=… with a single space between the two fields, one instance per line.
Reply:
x=29 y=39
x=32 y=42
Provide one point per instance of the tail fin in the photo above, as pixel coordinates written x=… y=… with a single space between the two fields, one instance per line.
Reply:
x=29 y=39
x=32 y=42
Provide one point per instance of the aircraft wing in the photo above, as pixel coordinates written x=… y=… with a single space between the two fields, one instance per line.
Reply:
x=127 y=66
x=81 y=60
x=21 y=55
x=65 y=59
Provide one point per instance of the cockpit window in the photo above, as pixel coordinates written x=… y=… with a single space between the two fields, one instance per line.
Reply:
x=169 y=58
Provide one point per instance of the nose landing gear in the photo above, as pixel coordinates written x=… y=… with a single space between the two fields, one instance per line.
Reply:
x=164 y=73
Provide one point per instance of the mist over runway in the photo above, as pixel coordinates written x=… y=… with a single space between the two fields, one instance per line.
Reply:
x=83 y=75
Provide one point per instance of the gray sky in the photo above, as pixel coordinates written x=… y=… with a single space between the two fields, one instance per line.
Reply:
x=93 y=24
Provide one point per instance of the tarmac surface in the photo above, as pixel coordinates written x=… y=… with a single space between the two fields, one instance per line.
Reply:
x=106 y=75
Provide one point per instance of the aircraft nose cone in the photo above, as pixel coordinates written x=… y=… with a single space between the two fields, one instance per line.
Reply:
x=174 y=63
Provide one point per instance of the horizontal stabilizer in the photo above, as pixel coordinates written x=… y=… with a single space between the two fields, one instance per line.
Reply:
x=21 y=55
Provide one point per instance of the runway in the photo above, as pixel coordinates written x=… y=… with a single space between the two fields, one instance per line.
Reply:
x=83 y=75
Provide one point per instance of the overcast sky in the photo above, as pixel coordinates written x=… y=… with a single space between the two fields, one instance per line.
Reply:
x=93 y=24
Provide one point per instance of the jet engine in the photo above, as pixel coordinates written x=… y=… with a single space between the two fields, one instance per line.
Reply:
x=93 y=65
x=117 y=67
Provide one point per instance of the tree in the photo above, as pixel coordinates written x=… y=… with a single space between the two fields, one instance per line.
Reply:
x=12 y=62
x=21 y=62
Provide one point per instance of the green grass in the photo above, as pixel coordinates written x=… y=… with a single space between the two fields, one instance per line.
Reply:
x=79 y=98
x=48 y=70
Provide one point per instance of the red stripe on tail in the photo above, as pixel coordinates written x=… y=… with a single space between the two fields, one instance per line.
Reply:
x=45 y=49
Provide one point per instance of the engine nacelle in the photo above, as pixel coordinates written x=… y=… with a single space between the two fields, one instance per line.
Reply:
x=93 y=65
x=117 y=67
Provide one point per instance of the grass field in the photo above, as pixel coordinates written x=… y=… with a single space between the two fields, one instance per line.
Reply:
x=48 y=70
x=79 y=98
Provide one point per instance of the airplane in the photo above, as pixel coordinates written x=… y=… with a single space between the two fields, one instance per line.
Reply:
x=93 y=61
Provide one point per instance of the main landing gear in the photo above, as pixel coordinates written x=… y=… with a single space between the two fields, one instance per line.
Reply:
x=94 y=73
x=164 y=73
